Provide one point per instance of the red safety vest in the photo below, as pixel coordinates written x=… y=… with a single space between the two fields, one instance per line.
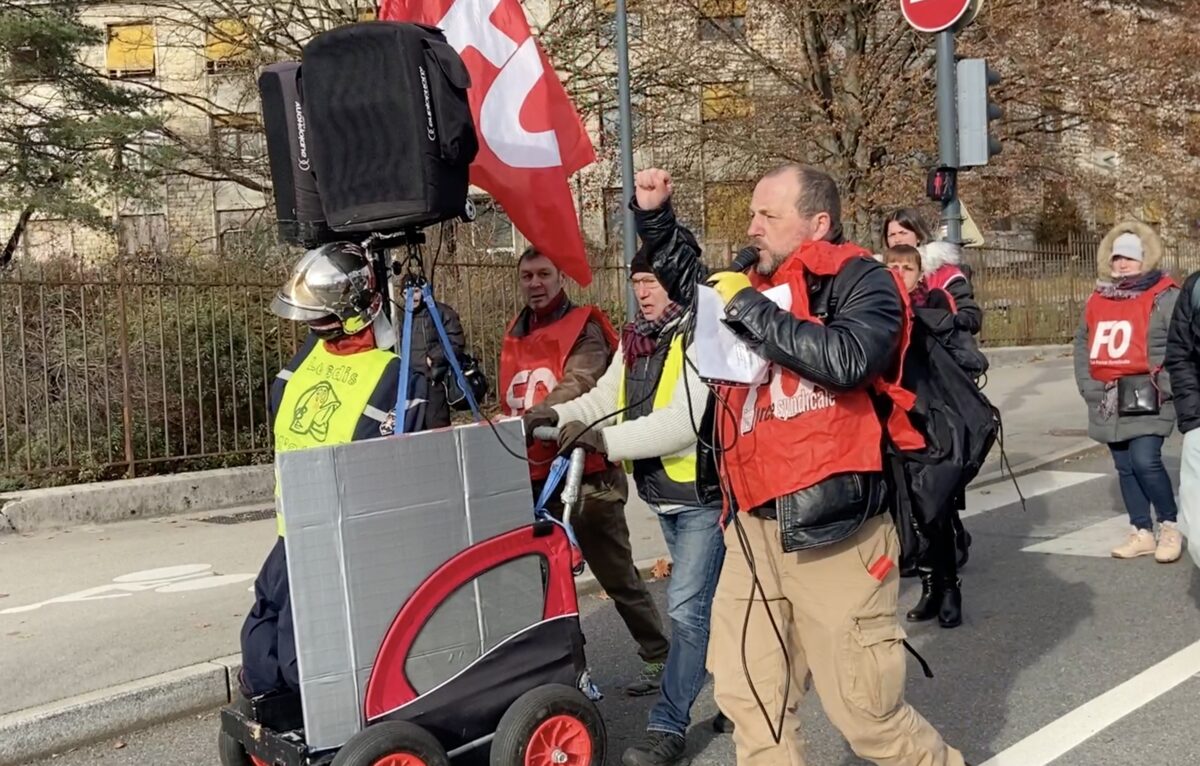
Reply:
x=530 y=368
x=1119 y=333
x=789 y=434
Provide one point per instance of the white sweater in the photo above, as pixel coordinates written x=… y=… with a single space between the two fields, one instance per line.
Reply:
x=668 y=432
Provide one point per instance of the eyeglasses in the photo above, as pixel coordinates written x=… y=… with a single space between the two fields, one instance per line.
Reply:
x=649 y=280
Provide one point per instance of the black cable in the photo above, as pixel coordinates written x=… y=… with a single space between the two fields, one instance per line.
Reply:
x=564 y=448
x=756 y=586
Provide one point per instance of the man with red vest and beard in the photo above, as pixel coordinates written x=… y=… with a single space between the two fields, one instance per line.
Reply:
x=811 y=551
x=554 y=352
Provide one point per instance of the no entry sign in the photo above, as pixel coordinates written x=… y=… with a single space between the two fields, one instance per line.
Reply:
x=933 y=15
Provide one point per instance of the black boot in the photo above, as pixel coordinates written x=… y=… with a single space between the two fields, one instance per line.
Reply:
x=927 y=606
x=721 y=724
x=950 y=613
x=658 y=748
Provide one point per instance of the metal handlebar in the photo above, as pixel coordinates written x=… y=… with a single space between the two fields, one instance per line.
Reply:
x=574 y=478
x=570 y=493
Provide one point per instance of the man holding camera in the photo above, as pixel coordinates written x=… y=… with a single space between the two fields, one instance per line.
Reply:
x=810 y=581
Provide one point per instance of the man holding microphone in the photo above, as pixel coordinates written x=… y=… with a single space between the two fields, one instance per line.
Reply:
x=811 y=551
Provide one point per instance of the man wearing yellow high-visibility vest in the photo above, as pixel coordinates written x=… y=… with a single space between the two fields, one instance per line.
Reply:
x=660 y=401
x=338 y=388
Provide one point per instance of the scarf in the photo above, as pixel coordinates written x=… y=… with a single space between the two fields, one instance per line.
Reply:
x=1129 y=287
x=919 y=297
x=640 y=337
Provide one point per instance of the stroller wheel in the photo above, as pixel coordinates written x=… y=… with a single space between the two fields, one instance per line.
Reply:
x=392 y=743
x=551 y=724
x=231 y=751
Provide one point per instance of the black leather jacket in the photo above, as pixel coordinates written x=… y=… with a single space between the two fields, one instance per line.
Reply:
x=1182 y=358
x=857 y=342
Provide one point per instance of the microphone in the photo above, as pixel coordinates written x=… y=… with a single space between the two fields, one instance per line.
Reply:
x=745 y=260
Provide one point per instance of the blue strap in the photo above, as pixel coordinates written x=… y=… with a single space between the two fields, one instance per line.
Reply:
x=558 y=469
x=405 y=353
x=431 y=307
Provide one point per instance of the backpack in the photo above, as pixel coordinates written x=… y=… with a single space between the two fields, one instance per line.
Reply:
x=960 y=427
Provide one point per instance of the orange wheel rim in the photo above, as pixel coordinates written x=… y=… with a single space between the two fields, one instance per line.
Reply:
x=562 y=740
x=400 y=759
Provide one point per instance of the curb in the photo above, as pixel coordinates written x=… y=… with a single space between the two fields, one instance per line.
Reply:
x=1002 y=356
x=143 y=498
x=67 y=724
x=586 y=585
x=81 y=720
x=1075 y=450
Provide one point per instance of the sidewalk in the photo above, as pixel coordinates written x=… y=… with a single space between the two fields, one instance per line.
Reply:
x=86 y=610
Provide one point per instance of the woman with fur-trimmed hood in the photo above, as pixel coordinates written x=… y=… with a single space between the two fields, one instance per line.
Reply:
x=1119 y=352
x=941 y=265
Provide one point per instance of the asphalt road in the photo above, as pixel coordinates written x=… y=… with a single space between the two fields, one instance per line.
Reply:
x=1027 y=680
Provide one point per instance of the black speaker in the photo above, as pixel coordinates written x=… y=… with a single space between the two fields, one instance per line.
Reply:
x=387 y=111
x=289 y=150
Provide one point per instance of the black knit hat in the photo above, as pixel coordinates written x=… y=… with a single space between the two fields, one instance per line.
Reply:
x=640 y=263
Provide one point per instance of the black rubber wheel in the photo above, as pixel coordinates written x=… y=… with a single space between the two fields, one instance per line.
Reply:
x=232 y=752
x=551 y=724
x=392 y=743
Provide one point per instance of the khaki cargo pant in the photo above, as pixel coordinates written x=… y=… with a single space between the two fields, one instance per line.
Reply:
x=839 y=624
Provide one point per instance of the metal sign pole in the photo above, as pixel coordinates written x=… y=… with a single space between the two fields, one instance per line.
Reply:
x=947 y=116
x=626 y=117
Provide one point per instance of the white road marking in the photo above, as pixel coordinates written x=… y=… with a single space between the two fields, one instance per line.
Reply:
x=1087 y=720
x=184 y=578
x=1004 y=493
x=1095 y=540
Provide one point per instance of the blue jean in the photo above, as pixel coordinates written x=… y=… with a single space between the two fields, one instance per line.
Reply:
x=697 y=550
x=1144 y=480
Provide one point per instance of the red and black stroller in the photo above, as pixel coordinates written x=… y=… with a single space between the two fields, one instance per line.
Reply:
x=528 y=699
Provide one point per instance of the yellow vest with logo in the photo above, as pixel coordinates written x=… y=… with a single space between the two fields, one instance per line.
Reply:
x=323 y=401
x=681 y=470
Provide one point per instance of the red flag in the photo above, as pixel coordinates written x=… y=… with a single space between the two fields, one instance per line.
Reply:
x=530 y=136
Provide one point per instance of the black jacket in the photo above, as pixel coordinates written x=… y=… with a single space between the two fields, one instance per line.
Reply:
x=1182 y=359
x=968 y=315
x=861 y=309
x=943 y=324
x=427 y=345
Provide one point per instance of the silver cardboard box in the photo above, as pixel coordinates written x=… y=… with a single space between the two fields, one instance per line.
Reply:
x=366 y=523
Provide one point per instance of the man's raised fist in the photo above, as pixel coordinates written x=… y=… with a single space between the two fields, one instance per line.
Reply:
x=653 y=188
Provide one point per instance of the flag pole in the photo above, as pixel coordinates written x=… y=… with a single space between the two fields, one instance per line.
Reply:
x=629 y=242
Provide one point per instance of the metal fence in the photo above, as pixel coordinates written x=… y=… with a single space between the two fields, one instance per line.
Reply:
x=107 y=373
x=1035 y=296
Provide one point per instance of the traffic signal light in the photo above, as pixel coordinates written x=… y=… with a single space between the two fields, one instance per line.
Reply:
x=976 y=110
x=941 y=185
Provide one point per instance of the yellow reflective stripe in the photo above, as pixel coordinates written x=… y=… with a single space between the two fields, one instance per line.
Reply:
x=679 y=469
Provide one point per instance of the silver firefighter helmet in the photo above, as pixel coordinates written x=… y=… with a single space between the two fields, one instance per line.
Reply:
x=332 y=288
